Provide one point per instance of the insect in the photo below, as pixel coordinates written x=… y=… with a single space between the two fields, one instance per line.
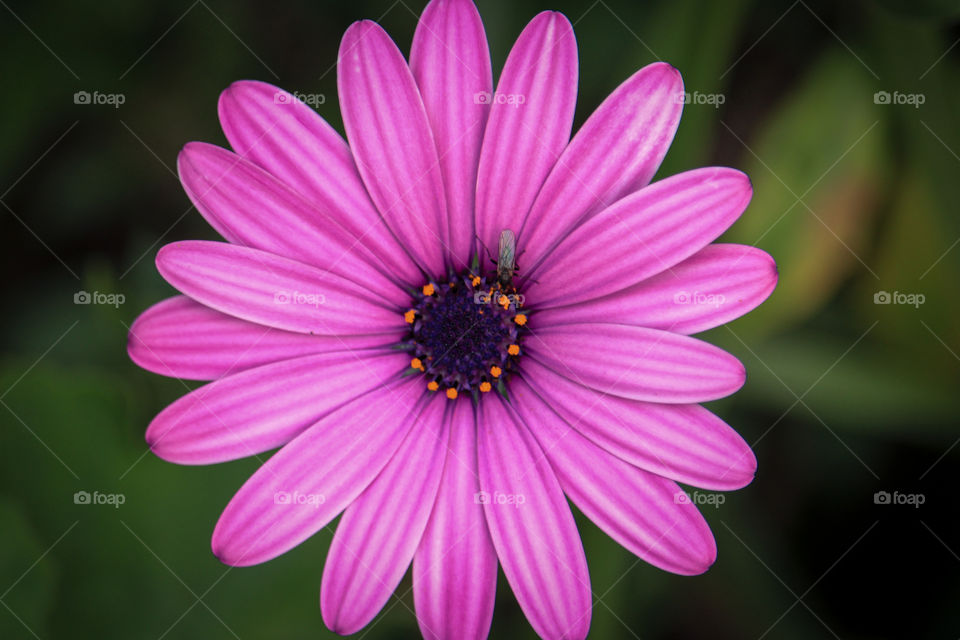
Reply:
x=506 y=261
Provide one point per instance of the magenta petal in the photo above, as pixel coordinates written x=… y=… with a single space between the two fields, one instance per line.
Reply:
x=523 y=140
x=641 y=235
x=316 y=476
x=271 y=290
x=638 y=363
x=278 y=132
x=390 y=136
x=644 y=512
x=684 y=442
x=181 y=338
x=380 y=531
x=264 y=408
x=252 y=208
x=616 y=152
x=455 y=567
x=719 y=283
x=450 y=61
x=532 y=527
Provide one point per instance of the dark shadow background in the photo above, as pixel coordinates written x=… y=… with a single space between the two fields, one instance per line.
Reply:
x=845 y=398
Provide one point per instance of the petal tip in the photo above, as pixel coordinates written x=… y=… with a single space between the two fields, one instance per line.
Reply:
x=224 y=552
x=165 y=258
x=331 y=611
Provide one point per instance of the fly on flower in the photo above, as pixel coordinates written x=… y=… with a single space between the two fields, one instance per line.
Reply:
x=383 y=391
x=506 y=259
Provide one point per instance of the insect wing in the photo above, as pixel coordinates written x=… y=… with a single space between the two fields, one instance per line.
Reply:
x=507 y=257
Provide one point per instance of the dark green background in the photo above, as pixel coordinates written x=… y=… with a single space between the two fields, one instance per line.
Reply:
x=844 y=397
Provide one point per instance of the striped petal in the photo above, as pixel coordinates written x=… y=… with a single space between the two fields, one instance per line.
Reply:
x=278 y=132
x=455 y=567
x=530 y=122
x=380 y=531
x=718 y=284
x=638 y=363
x=641 y=235
x=264 y=408
x=616 y=152
x=271 y=290
x=450 y=61
x=252 y=208
x=532 y=527
x=316 y=476
x=181 y=338
x=684 y=442
x=390 y=136
x=648 y=515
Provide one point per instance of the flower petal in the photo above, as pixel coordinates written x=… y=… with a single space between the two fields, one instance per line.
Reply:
x=379 y=533
x=271 y=290
x=263 y=408
x=647 y=514
x=530 y=122
x=450 y=61
x=641 y=235
x=181 y=338
x=684 y=442
x=278 y=132
x=252 y=208
x=616 y=151
x=455 y=567
x=718 y=284
x=316 y=476
x=391 y=140
x=532 y=527
x=638 y=363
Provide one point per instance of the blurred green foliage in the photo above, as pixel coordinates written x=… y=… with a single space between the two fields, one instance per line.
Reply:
x=845 y=397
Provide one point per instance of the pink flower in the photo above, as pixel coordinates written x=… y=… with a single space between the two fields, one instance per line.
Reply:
x=354 y=319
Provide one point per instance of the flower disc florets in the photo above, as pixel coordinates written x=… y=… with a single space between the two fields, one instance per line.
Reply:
x=465 y=334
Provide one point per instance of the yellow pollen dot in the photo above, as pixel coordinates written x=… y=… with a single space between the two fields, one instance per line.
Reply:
x=416 y=364
x=504 y=301
x=520 y=319
x=495 y=371
x=476 y=281
x=410 y=316
x=485 y=387
x=453 y=284
x=429 y=289
x=514 y=350
x=433 y=386
x=452 y=393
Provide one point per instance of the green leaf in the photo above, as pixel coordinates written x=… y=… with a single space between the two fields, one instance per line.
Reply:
x=862 y=389
x=818 y=175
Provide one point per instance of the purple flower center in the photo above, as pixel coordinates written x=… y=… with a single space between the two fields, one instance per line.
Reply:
x=465 y=334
